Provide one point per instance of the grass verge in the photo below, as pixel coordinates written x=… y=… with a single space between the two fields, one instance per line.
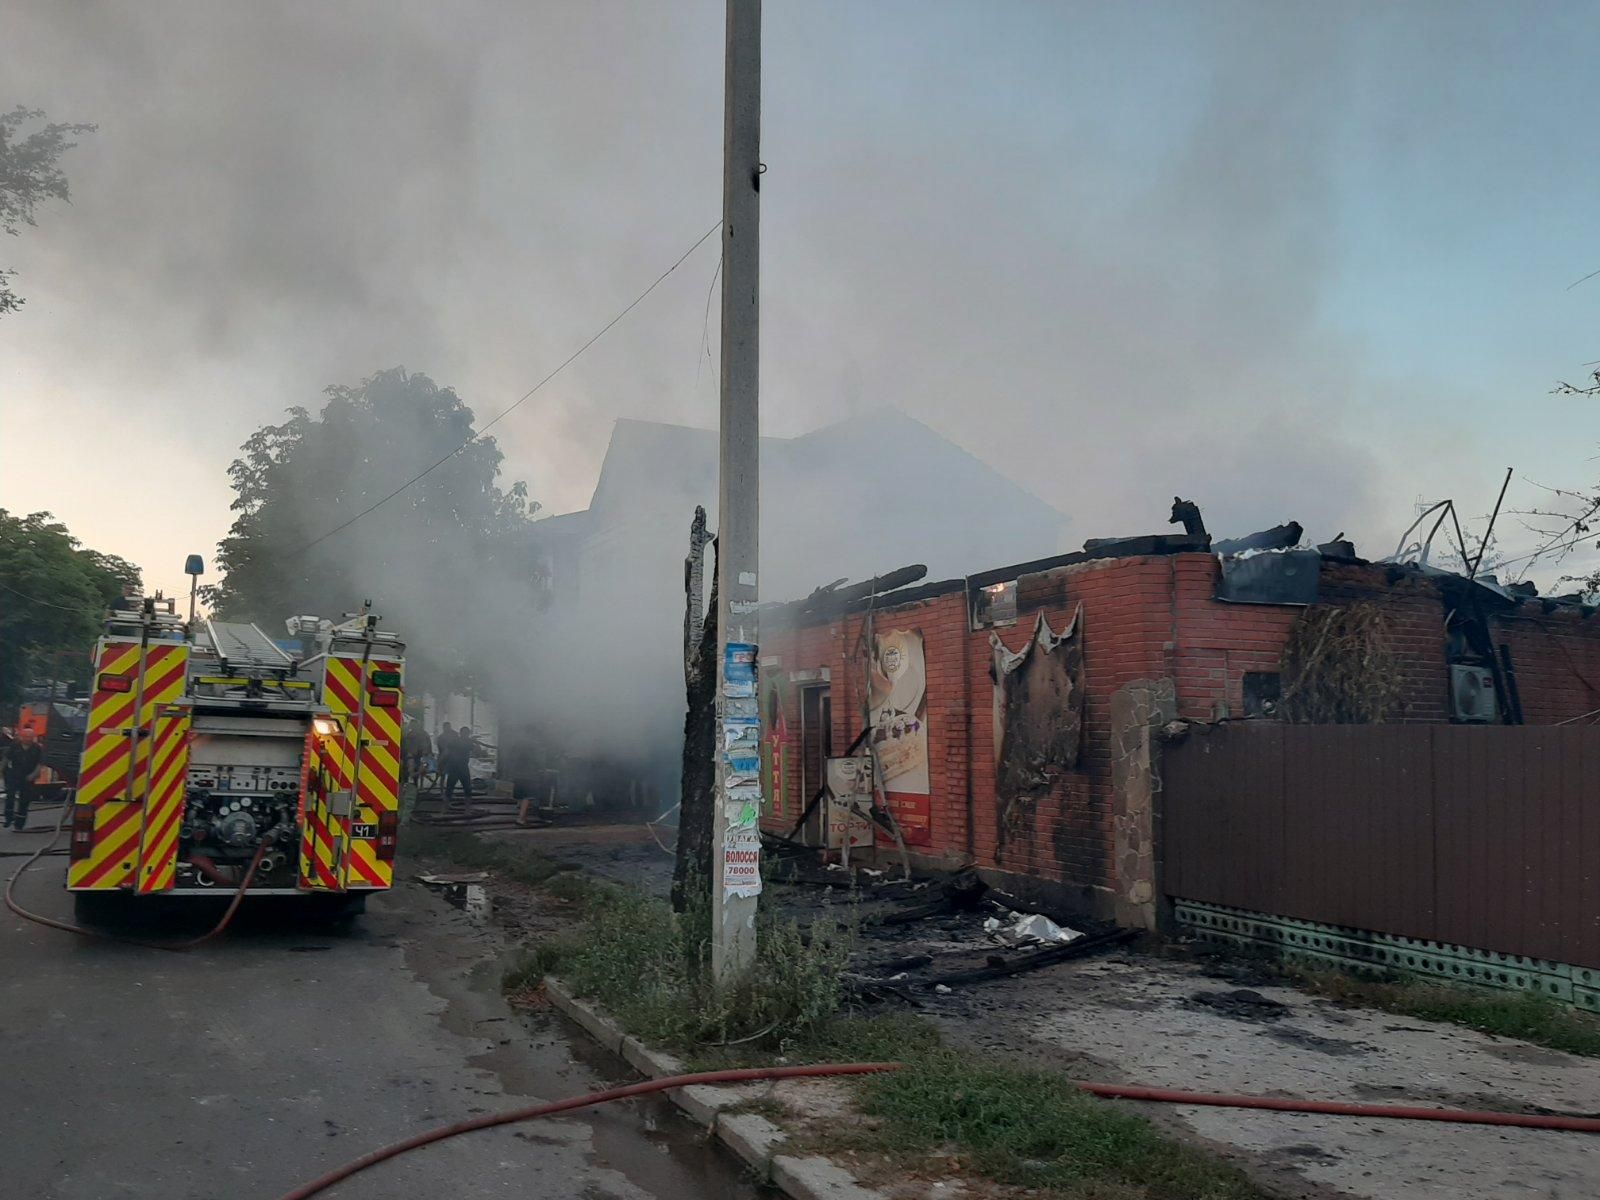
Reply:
x=648 y=967
x=1031 y=1129
x=1506 y=1013
x=1025 y=1128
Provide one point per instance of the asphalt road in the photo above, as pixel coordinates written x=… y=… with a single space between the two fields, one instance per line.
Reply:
x=243 y=1069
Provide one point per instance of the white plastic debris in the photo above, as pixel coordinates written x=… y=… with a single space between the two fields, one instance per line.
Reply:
x=942 y=989
x=992 y=925
x=1036 y=927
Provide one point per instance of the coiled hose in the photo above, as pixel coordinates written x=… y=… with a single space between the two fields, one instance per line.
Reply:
x=83 y=931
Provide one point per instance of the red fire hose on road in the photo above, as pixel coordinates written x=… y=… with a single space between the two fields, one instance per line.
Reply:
x=743 y=1075
x=1113 y=1090
x=1550 y=1121
x=83 y=931
x=1338 y=1108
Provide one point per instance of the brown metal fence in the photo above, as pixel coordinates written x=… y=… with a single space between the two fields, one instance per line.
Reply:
x=1480 y=836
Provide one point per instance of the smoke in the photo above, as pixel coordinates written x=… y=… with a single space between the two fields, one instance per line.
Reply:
x=1118 y=253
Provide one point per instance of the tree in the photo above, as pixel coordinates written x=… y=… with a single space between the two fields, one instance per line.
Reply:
x=29 y=175
x=1567 y=519
x=53 y=597
x=428 y=557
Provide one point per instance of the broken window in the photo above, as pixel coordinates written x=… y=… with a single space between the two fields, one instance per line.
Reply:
x=995 y=605
x=1262 y=690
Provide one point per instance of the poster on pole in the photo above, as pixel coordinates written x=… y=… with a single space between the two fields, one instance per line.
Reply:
x=739 y=670
x=741 y=861
x=898 y=707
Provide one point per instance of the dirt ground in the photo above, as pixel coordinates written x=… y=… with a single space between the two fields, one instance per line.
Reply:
x=1135 y=1017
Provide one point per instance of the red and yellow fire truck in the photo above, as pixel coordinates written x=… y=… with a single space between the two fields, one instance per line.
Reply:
x=208 y=746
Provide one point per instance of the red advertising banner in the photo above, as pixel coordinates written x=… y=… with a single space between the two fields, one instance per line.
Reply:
x=914 y=814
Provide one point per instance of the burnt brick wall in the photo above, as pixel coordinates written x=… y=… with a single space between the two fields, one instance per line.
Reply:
x=1144 y=618
x=1066 y=837
x=1219 y=642
x=1556 y=657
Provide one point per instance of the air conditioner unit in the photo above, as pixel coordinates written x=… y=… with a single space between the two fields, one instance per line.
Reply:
x=1472 y=696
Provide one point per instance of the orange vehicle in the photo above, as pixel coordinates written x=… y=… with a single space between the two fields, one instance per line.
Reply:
x=58 y=724
x=209 y=747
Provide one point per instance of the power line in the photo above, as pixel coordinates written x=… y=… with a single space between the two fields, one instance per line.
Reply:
x=705 y=334
x=35 y=600
x=570 y=359
x=1585 y=279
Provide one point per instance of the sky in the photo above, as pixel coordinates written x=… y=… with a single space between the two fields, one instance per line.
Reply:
x=1287 y=260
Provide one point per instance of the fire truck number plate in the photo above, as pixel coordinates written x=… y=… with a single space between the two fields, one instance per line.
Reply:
x=363 y=831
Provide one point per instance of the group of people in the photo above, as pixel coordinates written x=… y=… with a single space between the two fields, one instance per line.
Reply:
x=22 y=765
x=451 y=753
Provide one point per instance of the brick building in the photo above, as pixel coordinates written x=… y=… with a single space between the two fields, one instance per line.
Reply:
x=1156 y=645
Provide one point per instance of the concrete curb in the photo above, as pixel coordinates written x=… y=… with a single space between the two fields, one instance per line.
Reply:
x=752 y=1137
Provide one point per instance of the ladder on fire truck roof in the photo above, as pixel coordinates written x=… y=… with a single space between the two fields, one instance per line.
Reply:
x=243 y=646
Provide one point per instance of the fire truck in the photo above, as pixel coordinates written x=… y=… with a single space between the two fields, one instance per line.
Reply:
x=209 y=745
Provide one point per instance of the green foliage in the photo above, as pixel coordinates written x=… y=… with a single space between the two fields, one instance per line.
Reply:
x=547 y=958
x=29 y=176
x=422 y=557
x=1017 y=1126
x=648 y=966
x=1035 y=1129
x=1504 y=1013
x=55 y=595
x=891 y=1037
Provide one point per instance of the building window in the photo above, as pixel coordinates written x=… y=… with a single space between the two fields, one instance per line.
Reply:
x=1262 y=690
x=995 y=605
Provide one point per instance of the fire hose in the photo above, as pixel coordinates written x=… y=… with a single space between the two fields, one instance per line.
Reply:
x=1548 y=1121
x=1402 y=1112
x=741 y=1075
x=83 y=931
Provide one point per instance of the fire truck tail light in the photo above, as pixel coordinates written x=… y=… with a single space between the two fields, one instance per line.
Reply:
x=386 y=699
x=115 y=683
x=388 y=827
x=82 y=832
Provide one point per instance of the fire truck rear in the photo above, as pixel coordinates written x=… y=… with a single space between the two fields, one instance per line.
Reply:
x=209 y=745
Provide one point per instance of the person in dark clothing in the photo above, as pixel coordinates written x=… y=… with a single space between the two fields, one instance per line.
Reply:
x=23 y=761
x=415 y=745
x=441 y=754
x=454 y=760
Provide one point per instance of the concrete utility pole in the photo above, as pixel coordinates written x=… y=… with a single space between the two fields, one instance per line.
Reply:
x=733 y=899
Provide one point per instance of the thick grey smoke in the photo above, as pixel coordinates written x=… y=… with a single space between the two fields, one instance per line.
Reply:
x=1072 y=228
x=1095 y=245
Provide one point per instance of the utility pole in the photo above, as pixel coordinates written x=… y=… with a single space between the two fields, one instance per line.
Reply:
x=736 y=840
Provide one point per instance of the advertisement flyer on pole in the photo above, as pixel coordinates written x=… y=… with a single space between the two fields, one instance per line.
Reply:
x=741 y=861
x=739 y=670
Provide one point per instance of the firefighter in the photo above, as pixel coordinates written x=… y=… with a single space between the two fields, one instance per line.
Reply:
x=455 y=755
x=24 y=763
x=415 y=746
